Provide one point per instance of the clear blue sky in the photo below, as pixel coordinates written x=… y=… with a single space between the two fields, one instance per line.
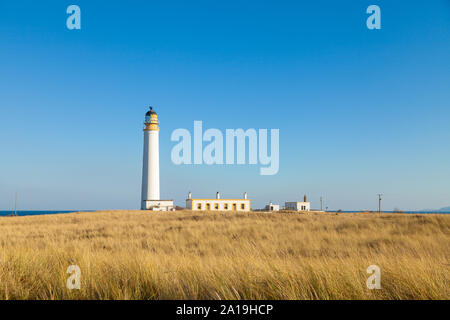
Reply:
x=360 y=111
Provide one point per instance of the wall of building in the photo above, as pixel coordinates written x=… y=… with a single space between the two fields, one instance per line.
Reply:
x=272 y=207
x=298 y=206
x=158 y=205
x=218 y=204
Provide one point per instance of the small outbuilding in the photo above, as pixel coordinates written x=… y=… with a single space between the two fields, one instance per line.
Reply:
x=272 y=207
x=298 y=205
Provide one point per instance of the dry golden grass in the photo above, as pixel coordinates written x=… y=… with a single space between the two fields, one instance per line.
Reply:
x=185 y=255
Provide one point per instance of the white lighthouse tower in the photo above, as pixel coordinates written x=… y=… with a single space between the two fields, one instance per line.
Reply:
x=150 y=169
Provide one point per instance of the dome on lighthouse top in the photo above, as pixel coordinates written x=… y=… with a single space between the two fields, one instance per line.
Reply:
x=150 y=112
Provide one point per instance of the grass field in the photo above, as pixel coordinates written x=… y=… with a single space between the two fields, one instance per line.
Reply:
x=184 y=255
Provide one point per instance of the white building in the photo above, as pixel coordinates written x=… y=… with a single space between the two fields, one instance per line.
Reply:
x=218 y=204
x=272 y=207
x=150 y=199
x=298 y=206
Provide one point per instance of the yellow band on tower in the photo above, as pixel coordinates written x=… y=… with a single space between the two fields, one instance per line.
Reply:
x=153 y=125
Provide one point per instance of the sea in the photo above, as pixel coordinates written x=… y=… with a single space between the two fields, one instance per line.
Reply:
x=411 y=212
x=42 y=212
x=37 y=213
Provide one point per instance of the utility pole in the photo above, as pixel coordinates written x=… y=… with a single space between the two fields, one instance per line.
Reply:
x=379 y=202
x=15 y=205
x=320 y=203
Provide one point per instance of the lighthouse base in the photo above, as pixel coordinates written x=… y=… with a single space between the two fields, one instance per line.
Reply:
x=157 y=205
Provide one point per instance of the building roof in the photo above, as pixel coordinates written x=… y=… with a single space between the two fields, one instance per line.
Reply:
x=221 y=199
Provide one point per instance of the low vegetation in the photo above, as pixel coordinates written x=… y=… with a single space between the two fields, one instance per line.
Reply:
x=185 y=255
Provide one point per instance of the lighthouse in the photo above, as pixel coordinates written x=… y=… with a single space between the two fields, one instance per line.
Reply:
x=150 y=199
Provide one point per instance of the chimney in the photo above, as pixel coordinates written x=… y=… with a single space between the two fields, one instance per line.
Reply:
x=245 y=195
x=189 y=195
x=217 y=195
x=304 y=198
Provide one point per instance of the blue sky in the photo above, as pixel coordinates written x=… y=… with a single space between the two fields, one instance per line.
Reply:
x=360 y=111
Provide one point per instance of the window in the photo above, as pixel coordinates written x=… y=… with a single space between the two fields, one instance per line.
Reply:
x=234 y=206
x=216 y=206
x=199 y=206
x=243 y=206
x=208 y=206
x=225 y=206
